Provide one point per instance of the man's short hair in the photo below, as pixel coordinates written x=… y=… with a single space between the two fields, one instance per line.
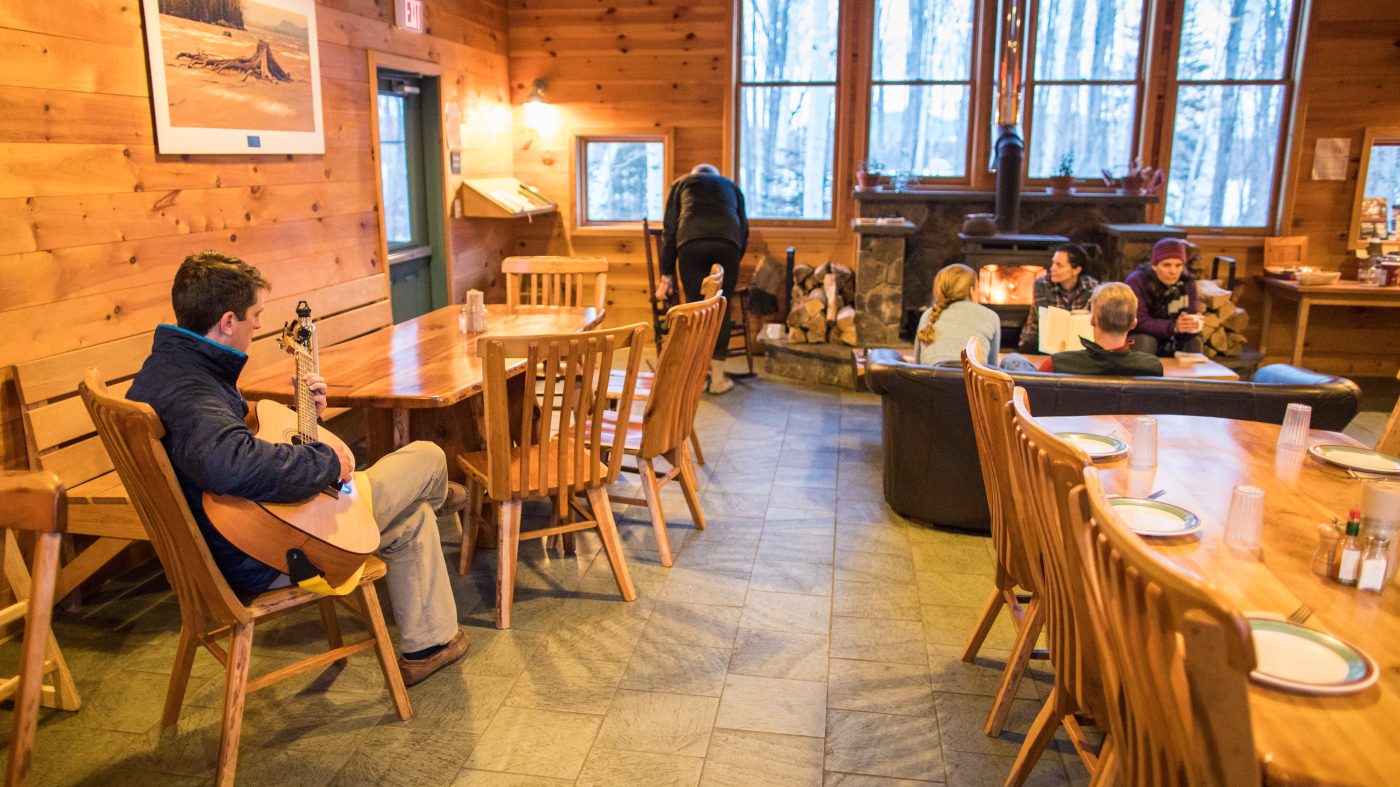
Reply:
x=1114 y=305
x=705 y=169
x=211 y=283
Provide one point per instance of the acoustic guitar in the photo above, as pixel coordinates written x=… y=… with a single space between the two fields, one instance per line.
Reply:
x=331 y=534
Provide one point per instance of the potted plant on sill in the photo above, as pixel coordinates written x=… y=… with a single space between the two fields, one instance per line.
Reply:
x=1063 y=179
x=868 y=175
x=1137 y=181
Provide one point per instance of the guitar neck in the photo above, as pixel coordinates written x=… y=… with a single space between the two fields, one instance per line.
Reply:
x=306 y=401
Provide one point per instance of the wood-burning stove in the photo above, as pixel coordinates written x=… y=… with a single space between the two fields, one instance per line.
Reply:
x=1007 y=266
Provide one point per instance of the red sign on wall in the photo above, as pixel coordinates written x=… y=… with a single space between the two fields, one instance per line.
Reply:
x=408 y=15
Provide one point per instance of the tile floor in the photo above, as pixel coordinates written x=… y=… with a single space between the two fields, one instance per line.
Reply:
x=807 y=636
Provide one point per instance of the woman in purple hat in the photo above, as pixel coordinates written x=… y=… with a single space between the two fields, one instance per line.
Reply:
x=1168 y=319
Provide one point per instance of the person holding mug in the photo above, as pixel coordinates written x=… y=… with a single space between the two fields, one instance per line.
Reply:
x=1168 y=318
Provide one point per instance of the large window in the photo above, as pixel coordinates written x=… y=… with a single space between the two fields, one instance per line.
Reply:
x=1231 y=86
x=787 y=107
x=1083 y=86
x=621 y=179
x=921 y=86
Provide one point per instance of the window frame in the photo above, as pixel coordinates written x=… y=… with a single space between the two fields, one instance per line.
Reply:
x=1285 y=151
x=973 y=95
x=578 y=177
x=1139 y=83
x=842 y=179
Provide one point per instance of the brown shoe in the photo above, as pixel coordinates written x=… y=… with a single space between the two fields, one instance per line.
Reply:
x=416 y=670
x=455 y=501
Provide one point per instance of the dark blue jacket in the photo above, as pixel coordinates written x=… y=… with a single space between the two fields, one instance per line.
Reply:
x=191 y=382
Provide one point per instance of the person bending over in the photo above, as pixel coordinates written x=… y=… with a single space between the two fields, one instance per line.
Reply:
x=1066 y=286
x=705 y=224
x=954 y=318
x=190 y=379
x=1168 y=314
x=1112 y=313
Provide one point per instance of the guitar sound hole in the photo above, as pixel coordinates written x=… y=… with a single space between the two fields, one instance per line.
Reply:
x=295 y=439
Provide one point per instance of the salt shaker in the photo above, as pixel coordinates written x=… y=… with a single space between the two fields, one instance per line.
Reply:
x=1373 y=564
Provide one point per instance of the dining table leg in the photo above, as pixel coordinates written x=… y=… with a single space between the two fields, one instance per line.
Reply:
x=1304 y=306
x=1264 y=323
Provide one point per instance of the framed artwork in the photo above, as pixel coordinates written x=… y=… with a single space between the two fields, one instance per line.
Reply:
x=234 y=76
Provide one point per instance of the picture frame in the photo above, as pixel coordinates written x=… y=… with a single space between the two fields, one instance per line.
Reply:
x=234 y=76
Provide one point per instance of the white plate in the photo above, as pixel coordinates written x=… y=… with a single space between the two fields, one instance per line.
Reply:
x=1155 y=519
x=1097 y=446
x=1356 y=458
x=1297 y=658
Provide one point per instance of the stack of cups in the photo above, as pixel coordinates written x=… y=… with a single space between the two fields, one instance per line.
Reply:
x=1293 y=435
x=1244 y=526
x=475 y=308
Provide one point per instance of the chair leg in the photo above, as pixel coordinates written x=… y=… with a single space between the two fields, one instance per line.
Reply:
x=1015 y=667
x=384 y=649
x=984 y=624
x=1038 y=737
x=471 y=526
x=240 y=656
x=690 y=485
x=179 y=676
x=508 y=531
x=651 y=490
x=612 y=543
x=332 y=626
x=65 y=696
x=31 y=670
x=695 y=443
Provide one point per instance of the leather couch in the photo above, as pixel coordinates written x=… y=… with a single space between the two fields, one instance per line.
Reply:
x=931 y=469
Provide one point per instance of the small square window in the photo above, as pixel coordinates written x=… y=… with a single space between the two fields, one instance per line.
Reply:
x=622 y=180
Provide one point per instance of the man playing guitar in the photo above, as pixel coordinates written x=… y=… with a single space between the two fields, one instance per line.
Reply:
x=191 y=380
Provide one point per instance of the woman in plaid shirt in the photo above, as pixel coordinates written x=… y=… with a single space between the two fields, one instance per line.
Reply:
x=1067 y=286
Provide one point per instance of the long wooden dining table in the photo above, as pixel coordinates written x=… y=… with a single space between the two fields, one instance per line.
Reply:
x=1300 y=739
x=413 y=380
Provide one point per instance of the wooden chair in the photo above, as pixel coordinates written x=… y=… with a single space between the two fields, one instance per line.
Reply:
x=653 y=241
x=668 y=419
x=209 y=610
x=1177 y=659
x=988 y=394
x=1286 y=250
x=1050 y=468
x=33 y=502
x=537 y=449
x=555 y=281
x=1389 y=442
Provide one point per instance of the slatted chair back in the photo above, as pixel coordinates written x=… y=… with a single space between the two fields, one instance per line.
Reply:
x=1178 y=658
x=669 y=416
x=131 y=432
x=1286 y=250
x=1051 y=468
x=1389 y=442
x=988 y=396
x=555 y=444
x=653 y=242
x=555 y=281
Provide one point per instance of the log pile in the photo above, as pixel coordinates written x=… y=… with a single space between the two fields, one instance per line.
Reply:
x=822 y=305
x=1225 y=322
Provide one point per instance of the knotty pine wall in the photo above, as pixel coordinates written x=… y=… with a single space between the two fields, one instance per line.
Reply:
x=93 y=222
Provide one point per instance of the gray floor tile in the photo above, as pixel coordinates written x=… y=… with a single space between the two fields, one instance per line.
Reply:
x=658 y=723
x=880 y=687
x=878 y=744
x=788 y=707
x=778 y=654
x=741 y=758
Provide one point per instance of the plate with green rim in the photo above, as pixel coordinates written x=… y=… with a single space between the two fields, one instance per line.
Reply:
x=1099 y=447
x=1304 y=660
x=1355 y=457
x=1155 y=519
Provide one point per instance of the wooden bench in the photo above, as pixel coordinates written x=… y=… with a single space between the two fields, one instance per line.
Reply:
x=60 y=437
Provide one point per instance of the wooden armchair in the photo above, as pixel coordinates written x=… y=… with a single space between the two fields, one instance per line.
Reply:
x=33 y=502
x=555 y=281
x=988 y=397
x=1177 y=659
x=551 y=444
x=1050 y=469
x=209 y=610
x=668 y=420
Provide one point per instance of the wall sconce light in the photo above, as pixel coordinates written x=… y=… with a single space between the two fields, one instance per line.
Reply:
x=540 y=117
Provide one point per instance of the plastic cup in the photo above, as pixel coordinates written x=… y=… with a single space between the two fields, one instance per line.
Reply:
x=1244 y=527
x=1293 y=435
x=1143 y=450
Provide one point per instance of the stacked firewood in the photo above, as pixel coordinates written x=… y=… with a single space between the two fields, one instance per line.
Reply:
x=1225 y=322
x=822 y=304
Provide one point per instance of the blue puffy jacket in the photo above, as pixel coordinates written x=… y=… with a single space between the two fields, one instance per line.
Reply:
x=192 y=383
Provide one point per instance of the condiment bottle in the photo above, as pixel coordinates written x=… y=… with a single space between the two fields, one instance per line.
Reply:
x=1380 y=506
x=1325 y=557
x=1351 y=551
x=1373 y=564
